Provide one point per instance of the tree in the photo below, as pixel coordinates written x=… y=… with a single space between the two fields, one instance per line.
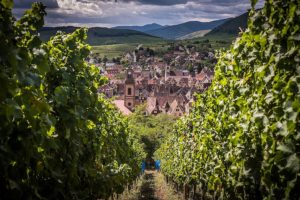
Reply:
x=105 y=59
x=151 y=129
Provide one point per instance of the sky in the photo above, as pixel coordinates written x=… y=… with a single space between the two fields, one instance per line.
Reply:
x=110 y=13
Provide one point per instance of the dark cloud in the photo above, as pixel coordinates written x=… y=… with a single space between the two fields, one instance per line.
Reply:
x=53 y=3
x=158 y=2
x=175 y=2
x=135 y=12
x=27 y=3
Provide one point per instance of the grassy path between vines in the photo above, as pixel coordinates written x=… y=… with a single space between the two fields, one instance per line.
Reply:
x=148 y=187
x=151 y=186
x=154 y=187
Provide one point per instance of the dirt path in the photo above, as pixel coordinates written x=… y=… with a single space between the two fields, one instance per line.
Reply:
x=148 y=187
x=154 y=187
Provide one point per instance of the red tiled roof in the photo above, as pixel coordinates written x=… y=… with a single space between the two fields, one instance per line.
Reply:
x=120 y=105
x=201 y=76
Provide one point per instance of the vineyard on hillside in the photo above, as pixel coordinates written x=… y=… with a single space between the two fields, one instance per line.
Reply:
x=59 y=138
x=242 y=139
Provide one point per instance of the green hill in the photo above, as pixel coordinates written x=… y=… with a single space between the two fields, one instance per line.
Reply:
x=196 y=34
x=231 y=27
x=180 y=30
x=104 y=36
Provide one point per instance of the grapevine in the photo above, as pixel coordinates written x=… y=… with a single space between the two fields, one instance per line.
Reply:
x=59 y=138
x=241 y=140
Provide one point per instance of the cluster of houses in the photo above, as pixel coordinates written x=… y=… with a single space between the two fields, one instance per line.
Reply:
x=180 y=56
x=171 y=92
x=164 y=84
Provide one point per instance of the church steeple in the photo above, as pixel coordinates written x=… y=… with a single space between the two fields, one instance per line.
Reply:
x=129 y=93
x=167 y=72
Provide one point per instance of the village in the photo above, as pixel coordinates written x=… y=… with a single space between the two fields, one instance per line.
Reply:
x=166 y=84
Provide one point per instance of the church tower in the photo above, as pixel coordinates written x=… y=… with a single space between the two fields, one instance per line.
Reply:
x=129 y=93
x=167 y=72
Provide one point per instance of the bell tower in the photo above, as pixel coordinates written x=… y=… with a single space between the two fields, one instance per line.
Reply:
x=129 y=93
x=167 y=72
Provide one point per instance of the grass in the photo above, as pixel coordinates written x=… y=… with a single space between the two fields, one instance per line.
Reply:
x=123 y=40
x=165 y=191
x=217 y=41
x=160 y=46
x=134 y=192
x=115 y=50
x=151 y=186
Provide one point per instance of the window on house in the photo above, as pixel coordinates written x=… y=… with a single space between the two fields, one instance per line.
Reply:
x=129 y=91
x=129 y=104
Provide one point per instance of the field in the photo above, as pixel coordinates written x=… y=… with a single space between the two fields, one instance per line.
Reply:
x=217 y=42
x=115 y=50
x=160 y=46
x=196 y=34
x=123 y=39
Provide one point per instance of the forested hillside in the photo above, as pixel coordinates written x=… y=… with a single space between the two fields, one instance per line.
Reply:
x=103 y=36
x=145 y=28
x=180 y=30
x=232 y=26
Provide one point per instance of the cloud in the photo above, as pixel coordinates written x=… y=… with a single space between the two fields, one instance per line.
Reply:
x=135 y=12
x=27 y=3
x=176 y=2
x=158 y=2
x=84 y=7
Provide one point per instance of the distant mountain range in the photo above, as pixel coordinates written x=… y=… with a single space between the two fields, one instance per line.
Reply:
x=180 y=30
x=145 y=28
x=175 y=31
x=194 y=29
x=100 y=36
x=152 y=33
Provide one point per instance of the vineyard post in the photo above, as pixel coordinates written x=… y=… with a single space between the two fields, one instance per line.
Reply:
x=194 y=190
